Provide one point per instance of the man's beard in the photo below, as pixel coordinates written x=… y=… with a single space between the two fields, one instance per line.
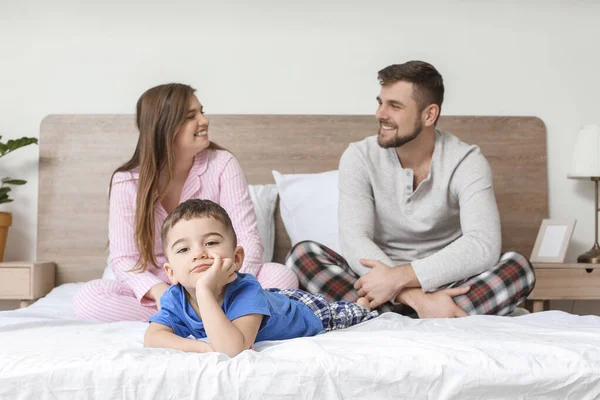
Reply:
x=398 y=141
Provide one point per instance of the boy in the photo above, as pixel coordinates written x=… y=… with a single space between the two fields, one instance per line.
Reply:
x=210 y=299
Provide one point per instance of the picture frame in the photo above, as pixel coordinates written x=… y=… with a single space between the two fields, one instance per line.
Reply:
x=552 y=241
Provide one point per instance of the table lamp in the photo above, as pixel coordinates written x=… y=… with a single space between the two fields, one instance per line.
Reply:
x=586 y=165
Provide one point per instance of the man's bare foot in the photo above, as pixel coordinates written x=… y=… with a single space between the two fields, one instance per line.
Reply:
x=363 y=302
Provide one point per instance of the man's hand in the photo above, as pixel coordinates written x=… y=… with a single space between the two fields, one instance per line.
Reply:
x=382 y=283
x=220 y=273
x=440 y=304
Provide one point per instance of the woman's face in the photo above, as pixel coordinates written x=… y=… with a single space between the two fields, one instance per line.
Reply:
x=192 y=137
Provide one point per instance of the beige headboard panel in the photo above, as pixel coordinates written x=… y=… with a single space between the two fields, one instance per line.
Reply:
x=78 y=153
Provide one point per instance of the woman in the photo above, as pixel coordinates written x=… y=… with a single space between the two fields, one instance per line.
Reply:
x=174 y=160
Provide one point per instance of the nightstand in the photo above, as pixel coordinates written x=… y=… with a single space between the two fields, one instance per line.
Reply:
x=26 y=281
x=575 y=281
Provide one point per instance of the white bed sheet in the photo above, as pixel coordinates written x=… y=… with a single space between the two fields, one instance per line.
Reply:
x=46 y=354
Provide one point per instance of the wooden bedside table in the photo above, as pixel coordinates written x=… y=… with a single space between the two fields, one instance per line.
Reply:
x=26 y=281
x=564 y=282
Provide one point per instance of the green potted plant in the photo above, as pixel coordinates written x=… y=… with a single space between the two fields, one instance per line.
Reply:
x=5 y=187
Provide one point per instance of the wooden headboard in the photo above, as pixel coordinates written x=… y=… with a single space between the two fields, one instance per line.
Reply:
x=78 y=154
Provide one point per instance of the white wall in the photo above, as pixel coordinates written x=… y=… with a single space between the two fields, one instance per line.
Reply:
x=498 y=58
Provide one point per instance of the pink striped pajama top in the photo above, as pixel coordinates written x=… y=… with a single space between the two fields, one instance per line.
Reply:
x=215 y=175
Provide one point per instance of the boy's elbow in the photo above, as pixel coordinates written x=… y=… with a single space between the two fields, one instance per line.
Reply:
x=232 y=353
x=150 y=339
x=147 y=341
x=234 y=349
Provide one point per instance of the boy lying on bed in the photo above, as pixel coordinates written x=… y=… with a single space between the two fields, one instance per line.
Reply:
x=210 y=299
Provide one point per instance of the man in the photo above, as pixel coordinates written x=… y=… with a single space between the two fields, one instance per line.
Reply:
x=418 y=217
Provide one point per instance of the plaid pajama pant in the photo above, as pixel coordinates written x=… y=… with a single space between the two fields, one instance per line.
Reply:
x=497 y=291
x=334 y=315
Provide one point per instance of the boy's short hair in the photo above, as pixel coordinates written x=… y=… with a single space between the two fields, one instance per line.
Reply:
x=194 y=209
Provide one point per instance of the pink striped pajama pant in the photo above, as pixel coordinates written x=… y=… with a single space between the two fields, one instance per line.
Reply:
x=111 y=301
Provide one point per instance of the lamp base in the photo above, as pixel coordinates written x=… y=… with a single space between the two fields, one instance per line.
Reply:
x=590 y=257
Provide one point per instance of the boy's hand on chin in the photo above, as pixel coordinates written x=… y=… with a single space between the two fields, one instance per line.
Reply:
x=217 y=276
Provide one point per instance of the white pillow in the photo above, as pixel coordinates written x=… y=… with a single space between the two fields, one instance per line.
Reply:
x=264 y=198
x=309 y=207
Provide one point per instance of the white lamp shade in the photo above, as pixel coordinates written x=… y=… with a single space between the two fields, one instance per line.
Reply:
x=586 y=155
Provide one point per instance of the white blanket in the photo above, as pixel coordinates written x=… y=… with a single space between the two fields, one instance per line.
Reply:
x=46 y=354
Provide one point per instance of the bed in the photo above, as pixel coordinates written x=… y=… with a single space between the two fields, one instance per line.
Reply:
x=45 y=352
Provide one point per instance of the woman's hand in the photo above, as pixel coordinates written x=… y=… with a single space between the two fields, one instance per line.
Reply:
x=156 y=292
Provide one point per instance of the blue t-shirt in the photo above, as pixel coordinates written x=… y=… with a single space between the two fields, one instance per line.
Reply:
x=283 y=318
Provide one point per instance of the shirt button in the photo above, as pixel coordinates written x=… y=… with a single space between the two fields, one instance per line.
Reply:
x=408 y=201
x=408 y=187
x=407 y=173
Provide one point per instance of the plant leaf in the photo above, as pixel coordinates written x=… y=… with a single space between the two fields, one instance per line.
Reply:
x=14 y=181
x=6 y=179
x=4 y=197
x=24 y=141
x=5 y=200
x=4 y=190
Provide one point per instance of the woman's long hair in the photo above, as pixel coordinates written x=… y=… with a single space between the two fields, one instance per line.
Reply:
x=160 y=112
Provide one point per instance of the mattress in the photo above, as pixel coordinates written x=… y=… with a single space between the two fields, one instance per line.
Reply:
x=45 y=353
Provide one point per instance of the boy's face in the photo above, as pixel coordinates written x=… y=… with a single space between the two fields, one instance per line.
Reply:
x=192 y=246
